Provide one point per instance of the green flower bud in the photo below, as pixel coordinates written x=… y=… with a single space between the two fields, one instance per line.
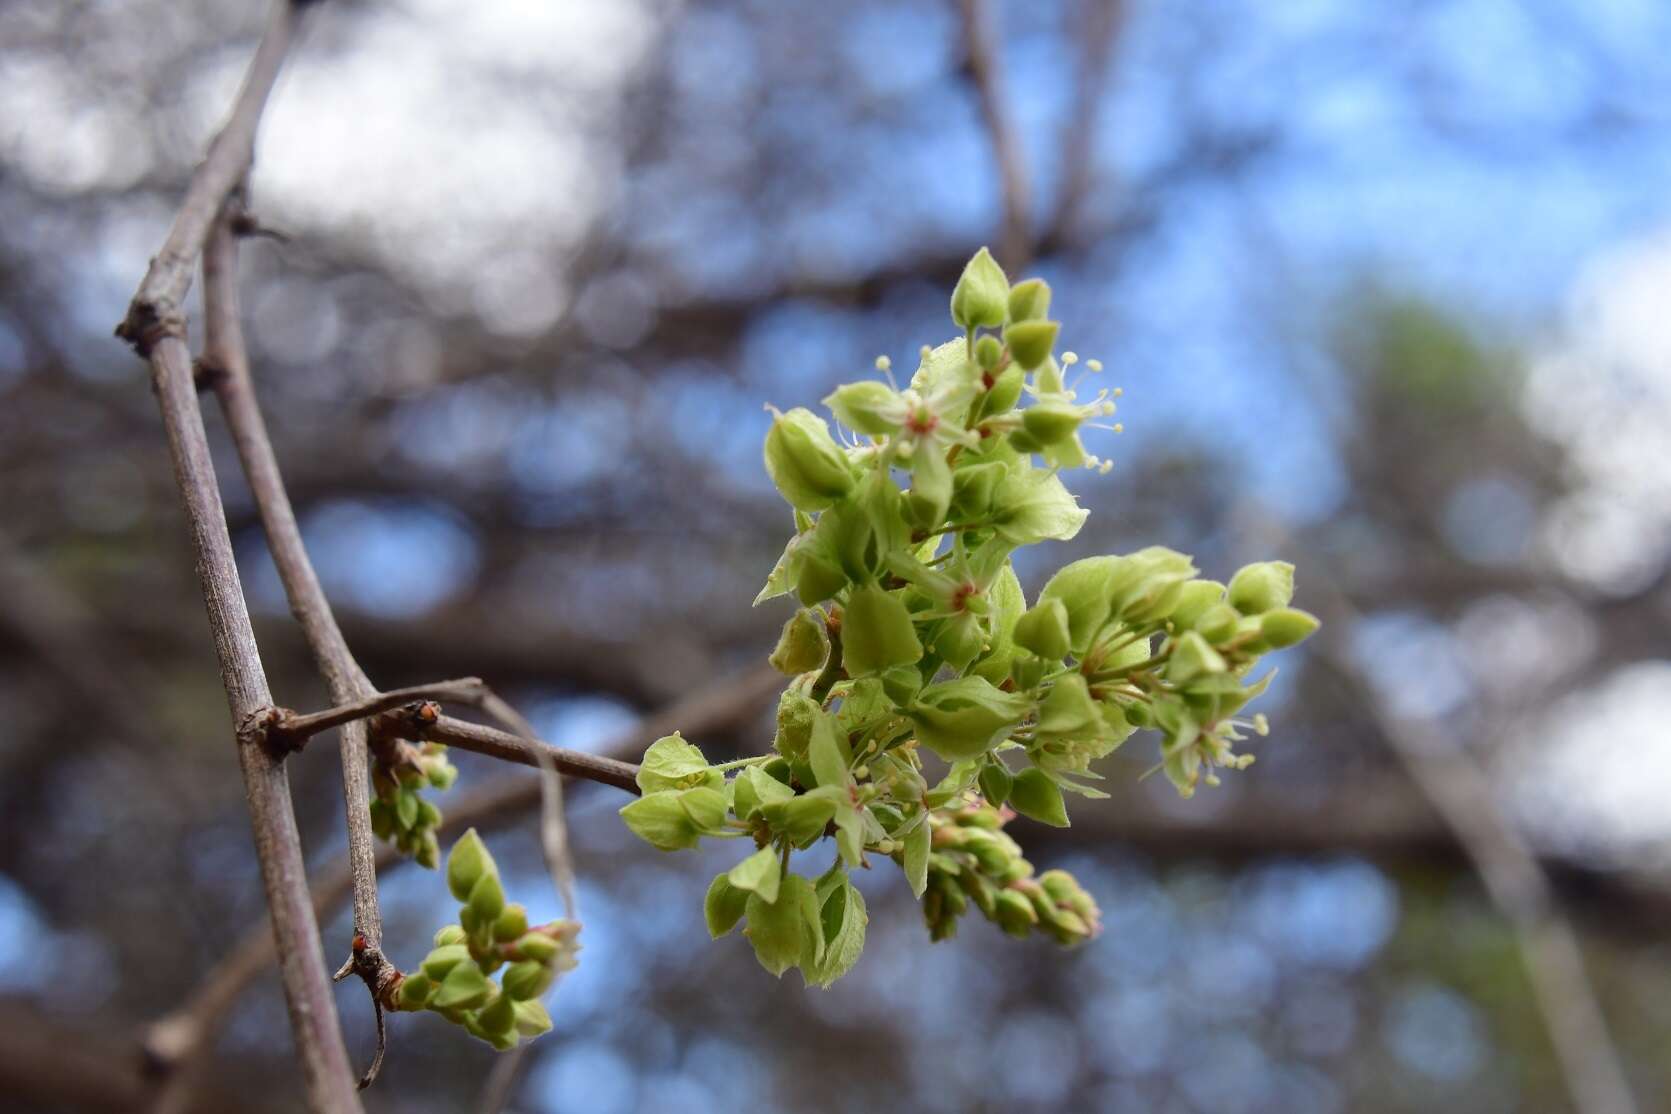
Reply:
x=1218 y=623
x=796 y=715
x=877 y=632
x=1043 y=629
x=467 y=863
x=382 y=819
x=817 y=578
x=1192 y=657
x=966 y=717
x=414 y=992
x=513 y=922
x=1035 y=795
x=1023 y=442
x=1149 y=583
x=1195 y=600
x=1083 y=587
x=527 y=979
x=1031 y=341
x=441 y=773
x=498 y=1017
x=809 y=469
x=1029 y=300
x=1016 y=915
x=973 y=486
x=427 y=854
x=981 y=298
x=1287 y=626
x=867 y=407
x=1068 y=710
x=961 y=639
x=464 y=988
x=406 y=809
x=487 y=899
x=428 y=815
x=1050 y=422
x=1262 y=587
x=449 y=934
x=536 y=946
x=803 y=645
x=802 y=819
x=988 y=352
x=1005 y=392
x=532 y=1020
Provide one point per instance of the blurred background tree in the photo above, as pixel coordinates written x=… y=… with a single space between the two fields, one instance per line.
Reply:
x=1383 y=284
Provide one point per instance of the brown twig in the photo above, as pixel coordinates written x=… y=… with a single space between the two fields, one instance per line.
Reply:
x=1015 y=240
x=155 y=325
x=1103 y=19
x=292 y=729
x=227 y=356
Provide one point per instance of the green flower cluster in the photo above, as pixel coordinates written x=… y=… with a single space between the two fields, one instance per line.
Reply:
x=915 y=637
x=454 y=981
x=971 y=858
x=397 y=811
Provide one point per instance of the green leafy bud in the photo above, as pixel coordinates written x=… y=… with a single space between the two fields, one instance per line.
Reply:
x=1031 y=341
x=1262 y=587
x=1050 y=422
x=877 y=632
x=1006 y=391
x=441 y=773
x=867 y=407
x=760 y=874
x=803 y=645
x=1035 y=795
x=382 y=819
x=449 y=934
x=1067 y=709
x=973 y=486
x=802 y=819
x=966 y=717
x=988 y=352
x=705 y=808
x=1016 y=915
x=427 y=853
x=809 y=469
x=467 y=863
x=464 y=988
x=962 y=638
x=498 y=1017
x=537 y=946
x=1218 y=622
x=406 y=808
x=673 y=763
x=415 y=992
x=487 y=899
x=995 y=782
x=1192 y=657
x=723 y=906
x=513 y=922
x=1044 y=630
x=1196 y=599
x=753 y=788
x=527 y=979
x=1149 y=583
x=661 y=821
x=817 y=578
x=981 y=298
x=1083 y=588
x=532 y=1019
x=1029 y=300
x=1287 y=626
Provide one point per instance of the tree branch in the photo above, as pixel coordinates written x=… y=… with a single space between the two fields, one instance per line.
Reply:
x=1015 y=241
x=292 y=729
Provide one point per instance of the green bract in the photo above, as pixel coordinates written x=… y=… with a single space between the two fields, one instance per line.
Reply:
x=927 y=698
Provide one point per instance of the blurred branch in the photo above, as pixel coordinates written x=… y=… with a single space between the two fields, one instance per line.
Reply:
x=1078 y=145
x=1463 y=798
x=1014 y=238
x=155 y=325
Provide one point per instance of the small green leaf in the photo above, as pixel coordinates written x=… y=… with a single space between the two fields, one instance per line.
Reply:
x=661 y=821
x=825 y=753
x=723 y=906
x=672 y=763
x=877 y=632
x=464 y=988
x=754 y=788
x=779 y=929
x=801 y=819
x=705 y=808
x=759 y=874
x=916 y=858
x=466 y=863
x=1035 y=795
x=842 y=921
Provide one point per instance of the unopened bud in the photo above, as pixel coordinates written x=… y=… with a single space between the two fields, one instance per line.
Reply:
x=803 y=645
x=1043 y=629
x=1262 y=587
x=1029 y=300
x=877 y=632
x=1031 y=341
x=981 y=298
x=809 y=469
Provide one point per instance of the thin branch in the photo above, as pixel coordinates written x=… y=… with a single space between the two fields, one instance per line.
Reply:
x=1460 y=792
x=1077 y=148
x=292 y=729
x=157 y=307
x=226 y=364
x=155 y=325
x=481 y=739
x=1015 y=239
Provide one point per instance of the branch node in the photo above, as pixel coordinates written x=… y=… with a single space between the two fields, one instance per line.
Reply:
x=149 y=322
